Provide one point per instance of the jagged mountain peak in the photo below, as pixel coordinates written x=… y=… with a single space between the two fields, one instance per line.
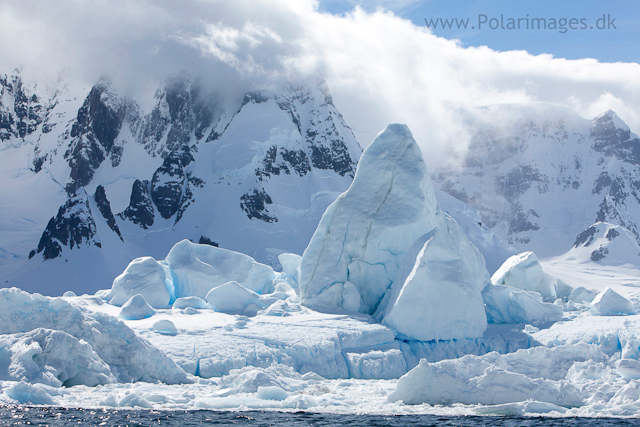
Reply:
x=610 y=116
x=253 y=177
x=542 y=176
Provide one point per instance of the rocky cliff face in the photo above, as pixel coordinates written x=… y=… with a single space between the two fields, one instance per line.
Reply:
x=21 y=110
x=93 y=135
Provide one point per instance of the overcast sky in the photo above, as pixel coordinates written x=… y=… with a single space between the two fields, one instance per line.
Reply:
x=381 y=64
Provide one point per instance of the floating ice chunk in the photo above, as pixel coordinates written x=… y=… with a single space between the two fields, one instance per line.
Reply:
x=505 y=304
x=291 y=266
x=250 y=379
x=363 y=253
x=537 y=374
x=525 y=308
x=582 y=295
x=232 y=298
x=144 y=276
x=610 y=303
x=523 y=271
x=49 y=357
x=490 y=385
x=190 y=302
x=69 y=294
x=165 y=327
x=136 y=308
x=196 y=269
x=272 y=393
x=34 y=394
x=133 y=399
x=521 y=408
x=190 y=310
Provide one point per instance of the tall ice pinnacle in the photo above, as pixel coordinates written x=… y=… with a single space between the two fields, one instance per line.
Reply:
x=386 y=249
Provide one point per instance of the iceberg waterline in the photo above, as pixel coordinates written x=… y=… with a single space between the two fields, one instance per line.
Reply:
x=388 y=279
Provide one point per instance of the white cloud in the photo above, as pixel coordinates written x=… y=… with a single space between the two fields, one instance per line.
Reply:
x=380 y=68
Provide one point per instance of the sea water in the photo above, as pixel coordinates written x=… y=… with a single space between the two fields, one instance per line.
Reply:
x=47 y=416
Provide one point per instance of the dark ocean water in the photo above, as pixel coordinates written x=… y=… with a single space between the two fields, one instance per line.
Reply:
x=37 y=416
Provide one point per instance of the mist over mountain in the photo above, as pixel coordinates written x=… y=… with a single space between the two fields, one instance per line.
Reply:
x=540 y=175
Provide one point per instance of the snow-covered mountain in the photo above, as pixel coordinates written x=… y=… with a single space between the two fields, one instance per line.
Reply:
x=96 y=180
x=540 y=175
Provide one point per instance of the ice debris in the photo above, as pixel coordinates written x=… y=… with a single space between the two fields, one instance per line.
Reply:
x=165 y=327
x=537 y=373
x=136 y=308
x=51 y=357
x=505 y=304
x=190 y=302
x=130 y=357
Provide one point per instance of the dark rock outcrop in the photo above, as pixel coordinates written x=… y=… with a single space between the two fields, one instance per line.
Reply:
x=104 y=207
x=72 y=227
x=168 y=185
x=140 y=210
x=254 y=204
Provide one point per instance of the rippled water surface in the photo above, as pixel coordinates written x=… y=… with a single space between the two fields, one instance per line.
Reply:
x=38 y=416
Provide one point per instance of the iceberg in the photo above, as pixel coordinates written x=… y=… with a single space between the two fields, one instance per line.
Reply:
x=440 y=299
x=523 y=271
x=144 y=276
x=190 y=271
x=197 y=268
x=232 y=298
x=385 y=248
x=610 y=303
x=291 y=266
